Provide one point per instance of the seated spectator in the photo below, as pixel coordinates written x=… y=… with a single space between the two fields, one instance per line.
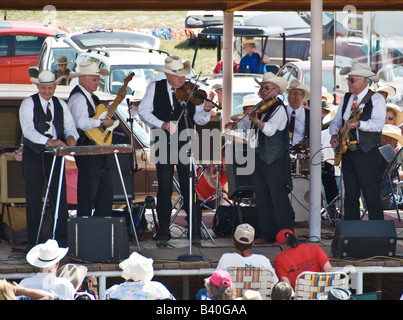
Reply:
x=219 y=287
x=251 y=295
x=138 y=272
x=253 y=61
x=281 y=291
x=296 y=258
x=13 y=291
x=62 y=63
x=76 y=274
x=243 y=257
x=47 y=256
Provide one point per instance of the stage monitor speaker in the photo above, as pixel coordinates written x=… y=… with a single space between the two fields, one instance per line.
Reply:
x=364 y=239
x=239 y=186
x=126 y=166
x=98 y=239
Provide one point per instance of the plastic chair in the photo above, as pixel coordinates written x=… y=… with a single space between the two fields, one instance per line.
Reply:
x=310 y=285
x=376 y=295
x=252 y=278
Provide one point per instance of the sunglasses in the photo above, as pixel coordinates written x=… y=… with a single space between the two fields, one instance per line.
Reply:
x=389 y=118
x=266 y=88
x=352 y=81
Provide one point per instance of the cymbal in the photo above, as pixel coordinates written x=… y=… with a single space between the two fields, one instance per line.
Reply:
x=237 y=117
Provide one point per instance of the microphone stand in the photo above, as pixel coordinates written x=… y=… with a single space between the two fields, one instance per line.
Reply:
x=192 y=200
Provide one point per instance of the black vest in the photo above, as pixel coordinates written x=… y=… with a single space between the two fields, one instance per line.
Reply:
x=84 y=140
x=367 y=140
x=40 y=122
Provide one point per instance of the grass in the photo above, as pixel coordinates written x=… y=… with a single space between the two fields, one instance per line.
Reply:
x=206 y=56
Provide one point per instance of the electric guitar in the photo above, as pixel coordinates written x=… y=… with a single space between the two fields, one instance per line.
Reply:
x=103 y=135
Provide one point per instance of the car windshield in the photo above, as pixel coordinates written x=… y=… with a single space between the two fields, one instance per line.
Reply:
x=110 y=39
x=56 y=53
x=327 y=79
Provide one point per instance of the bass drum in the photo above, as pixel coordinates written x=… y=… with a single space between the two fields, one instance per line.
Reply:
x=206 y=187
x=299 y=198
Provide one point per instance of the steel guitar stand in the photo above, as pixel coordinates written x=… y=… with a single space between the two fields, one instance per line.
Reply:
x=79 y=151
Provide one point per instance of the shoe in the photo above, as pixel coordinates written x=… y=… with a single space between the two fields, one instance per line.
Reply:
x=260 y=241
x=196 y=242
x=162 y=243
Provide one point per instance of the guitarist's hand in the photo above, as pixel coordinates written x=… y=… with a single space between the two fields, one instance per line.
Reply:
x=334 y=141
x=352 y=124
x=55 y=143
x=107 y=122
x=169 y=126
x=70 y=141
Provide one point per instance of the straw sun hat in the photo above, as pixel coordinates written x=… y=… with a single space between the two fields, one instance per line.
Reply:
x=296 y=84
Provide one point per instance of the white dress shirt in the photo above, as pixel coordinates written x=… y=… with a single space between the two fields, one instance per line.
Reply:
x=374 y=124
x=299 y=128
x=79 y=109
x=146 y=109
x=26 y=114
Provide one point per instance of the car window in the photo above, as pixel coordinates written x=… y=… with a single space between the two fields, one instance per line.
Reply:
x=288 y=72
x=4 y=44
x=60 y=52
x=28 y=45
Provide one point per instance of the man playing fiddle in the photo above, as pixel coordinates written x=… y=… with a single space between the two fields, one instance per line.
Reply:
x=272 y=175
x=159 y=109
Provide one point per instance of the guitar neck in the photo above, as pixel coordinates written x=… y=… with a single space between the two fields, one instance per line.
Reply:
x=119 y=98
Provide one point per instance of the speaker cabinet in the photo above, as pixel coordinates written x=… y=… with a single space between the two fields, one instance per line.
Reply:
x=12 y=180
x=98 y=239
x=364 y=239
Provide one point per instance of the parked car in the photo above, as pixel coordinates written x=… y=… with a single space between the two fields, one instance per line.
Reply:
x=301 y=70
x=20 y=44
x=71 y=45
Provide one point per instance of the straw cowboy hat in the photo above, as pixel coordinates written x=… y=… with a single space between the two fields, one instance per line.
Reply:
x=272 y=78
x=46 y=254
x=393 y=132
x=249 y=100
x=137 y=268
x=250 y=41
x=361 y=70
x=327 y=96
x=296 y=84
x=74 y=272
x=388 y=89
x=62 y=60
x=89 y=68
x=46 y=77
x=175 y=66
x=330 y=116
x=396 y=111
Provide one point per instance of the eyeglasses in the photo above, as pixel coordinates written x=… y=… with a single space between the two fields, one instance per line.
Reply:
x=352 y=81
x=266 y=88
x=389 y=118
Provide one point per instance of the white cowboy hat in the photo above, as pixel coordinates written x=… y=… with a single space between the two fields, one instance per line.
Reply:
x=46 y=77
x=175 y=66
x=137 y=268
x=391 y=91
x=327 y=96
x=62 y=60
x=74 y=272
x=46 y=254
x=396 y=111
x=272 y=78
x=89 y=68
x=330 y=116
x=394 y=132
x=296 y=84
x=359 y=69
x=249 y=100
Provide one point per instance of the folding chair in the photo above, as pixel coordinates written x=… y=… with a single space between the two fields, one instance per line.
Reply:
x=310 y=285
x=252 y=278
x=391 y=185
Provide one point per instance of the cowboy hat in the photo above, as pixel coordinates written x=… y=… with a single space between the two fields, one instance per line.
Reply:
x=89 y=68
x=391 y=91
x=74 y=272
x=361 y=70
x=249 y=100
x=327 y=96
x=46 y=254
x=330 y=116
x=46 y=77
x=396 y=111
x=62 y=60
x=393 y=132
x=175 y=66
x=296 y=84
x=272 y=78
x=250 y=41
x=137 y=268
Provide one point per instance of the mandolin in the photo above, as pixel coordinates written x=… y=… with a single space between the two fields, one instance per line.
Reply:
x=103 y=135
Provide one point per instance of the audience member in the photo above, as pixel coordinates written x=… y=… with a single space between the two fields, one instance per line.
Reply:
x=47 y=256
x=394 y=114
x=219 y=286
x=77 y=275
x=297 y=258
x=251 y=295
x=138 y=272
x=13 y=291
x=62 y=63
x=281 y=291
x=253 y=61
x=243 y=257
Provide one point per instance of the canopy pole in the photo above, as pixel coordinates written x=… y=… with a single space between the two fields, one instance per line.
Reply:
x=315 y=122
x=228 y=40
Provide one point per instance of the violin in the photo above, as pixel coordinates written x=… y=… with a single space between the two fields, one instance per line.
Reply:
x=261 y=107
x=191 y=92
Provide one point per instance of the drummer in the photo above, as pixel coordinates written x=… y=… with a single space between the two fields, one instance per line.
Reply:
x=298 y=116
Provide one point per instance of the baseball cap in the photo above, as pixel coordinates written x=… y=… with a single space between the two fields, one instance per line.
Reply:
x=220 y=278
x=244 y=233
x=281 y=235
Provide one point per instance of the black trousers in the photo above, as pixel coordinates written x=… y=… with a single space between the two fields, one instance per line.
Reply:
x=361 y=171
x=94 y=186
x=165 y=173
x=273 y=204
x=36 y=169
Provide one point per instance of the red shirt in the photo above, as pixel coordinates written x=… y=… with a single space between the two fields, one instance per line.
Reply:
x=306 y=257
